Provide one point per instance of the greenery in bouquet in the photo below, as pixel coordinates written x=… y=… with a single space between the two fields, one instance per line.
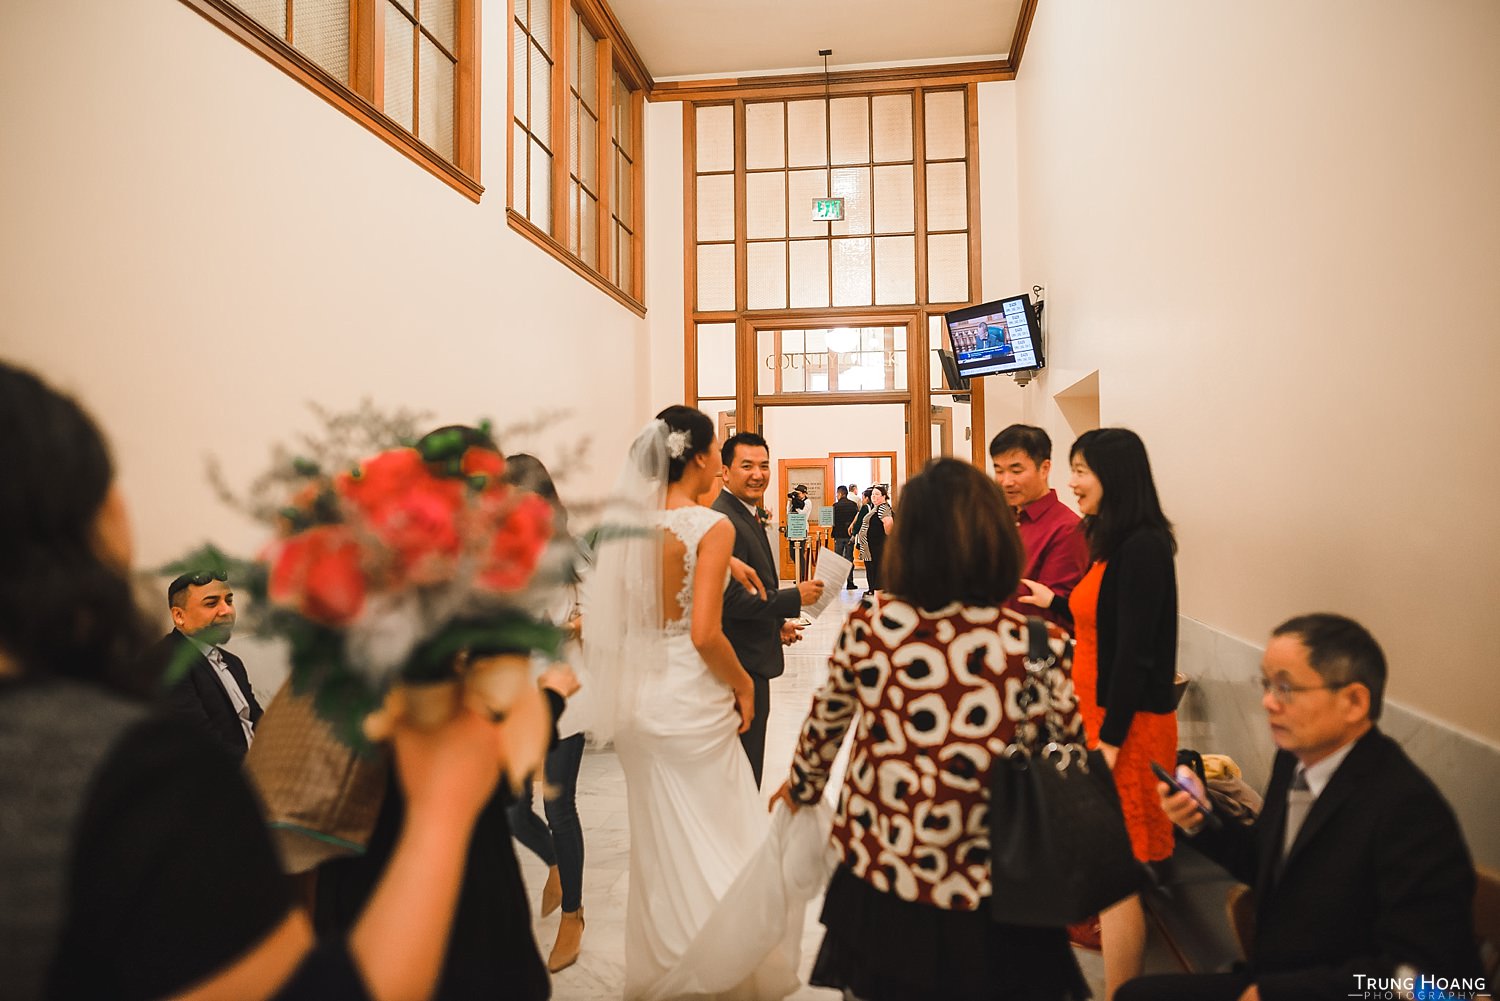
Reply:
x=393 y=568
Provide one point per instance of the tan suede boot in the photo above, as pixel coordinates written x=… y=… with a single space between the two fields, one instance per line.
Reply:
x=552 y=892
x=569 y=941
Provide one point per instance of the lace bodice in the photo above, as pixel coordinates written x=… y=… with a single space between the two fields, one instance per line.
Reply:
x=689 y=524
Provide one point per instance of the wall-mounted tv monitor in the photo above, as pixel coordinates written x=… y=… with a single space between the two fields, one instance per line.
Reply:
x=951 y=378
x=996 y=337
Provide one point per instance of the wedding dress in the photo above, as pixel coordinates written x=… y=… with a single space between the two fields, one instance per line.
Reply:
x=718 y=889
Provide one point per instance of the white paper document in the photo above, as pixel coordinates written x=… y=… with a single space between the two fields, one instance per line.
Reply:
x=833 y=570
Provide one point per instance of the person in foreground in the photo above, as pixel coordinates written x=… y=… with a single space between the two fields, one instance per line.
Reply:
x=1123 y=614
x=927 y=672
x=134 y=862
x=1357 y=862
x=674 y=697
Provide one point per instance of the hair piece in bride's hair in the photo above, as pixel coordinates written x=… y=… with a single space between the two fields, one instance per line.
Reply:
x=690 y=432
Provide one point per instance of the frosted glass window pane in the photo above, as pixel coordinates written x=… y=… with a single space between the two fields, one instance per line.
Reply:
x=588 y=227
x=794 y=378
x=518 y=183
x=410 y=6
x=438 y=17
x=621 y=125
x=627 y=262
x=435 y=120
x=896 y=270
x=320 y=29
x=895 y=199
x=586 y=66
x=803 y=187
x=765 y=265
x=807 y=135
x=765 y=361
x=947 y=196
x=892 y=116
x=852 y=184
x=624 y=200
x=541 y=188
x=541 y=24
x=716 y=359
x=765 y=135
x=715 y=137
x=809 y=264
x=573 y=112
x=817 y=341
x=588 y=144
x=765 y=205
x=945 y=125
x=850 y=127
x=792 y=342
x=851 y=273
x=271 y=13
x=518 y=8
x=716 y=277
x=398 y=68
x=948 y=268
x=715 y=207
x=519 y=62
x=541 y=96
x=573 y=192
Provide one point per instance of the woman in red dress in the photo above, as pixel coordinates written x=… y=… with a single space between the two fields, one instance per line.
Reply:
x=1124 y=619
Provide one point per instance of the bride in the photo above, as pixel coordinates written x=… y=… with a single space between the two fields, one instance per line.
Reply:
x=708 y=914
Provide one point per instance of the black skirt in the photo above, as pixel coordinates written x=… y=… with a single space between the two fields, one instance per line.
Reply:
x=881 y=948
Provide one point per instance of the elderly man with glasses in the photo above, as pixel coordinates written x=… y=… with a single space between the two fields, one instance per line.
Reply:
x=211 y=688
x=1357 y=862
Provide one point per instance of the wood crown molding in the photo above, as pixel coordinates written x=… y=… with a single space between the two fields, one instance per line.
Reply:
x=848 y=82
x=253 y=35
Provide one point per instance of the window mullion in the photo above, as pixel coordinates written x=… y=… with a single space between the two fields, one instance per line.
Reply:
x=562 y=150
x=367 y=50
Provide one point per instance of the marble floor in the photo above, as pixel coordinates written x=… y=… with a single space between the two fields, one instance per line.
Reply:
x=599 y=972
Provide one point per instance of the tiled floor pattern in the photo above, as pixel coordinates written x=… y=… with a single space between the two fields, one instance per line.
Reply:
x=599 y=973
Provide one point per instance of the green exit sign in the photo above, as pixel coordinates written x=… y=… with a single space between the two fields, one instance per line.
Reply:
x=828 y=210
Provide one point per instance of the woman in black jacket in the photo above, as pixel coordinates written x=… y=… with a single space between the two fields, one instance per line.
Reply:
x=1123 y=615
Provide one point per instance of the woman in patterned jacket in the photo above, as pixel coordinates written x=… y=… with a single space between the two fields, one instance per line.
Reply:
x=927 y=674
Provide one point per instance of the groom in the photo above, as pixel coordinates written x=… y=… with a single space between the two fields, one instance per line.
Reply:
x=757 y=629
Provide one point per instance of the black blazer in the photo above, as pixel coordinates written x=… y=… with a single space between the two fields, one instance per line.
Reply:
x=1379 y=876
x=199 y=697
x=754 y=626
x=1137 y=622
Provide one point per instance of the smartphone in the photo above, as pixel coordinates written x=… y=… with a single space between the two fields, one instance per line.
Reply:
x=1209 y=819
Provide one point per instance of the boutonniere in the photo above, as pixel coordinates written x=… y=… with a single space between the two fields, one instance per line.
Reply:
x=762 y=515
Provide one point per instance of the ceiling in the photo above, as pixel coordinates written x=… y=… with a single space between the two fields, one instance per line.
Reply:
x=680 y=39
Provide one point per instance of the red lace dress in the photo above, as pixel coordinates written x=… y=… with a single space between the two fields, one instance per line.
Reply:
x=1152 y=736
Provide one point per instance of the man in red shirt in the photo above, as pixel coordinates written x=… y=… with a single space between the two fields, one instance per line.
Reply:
x=1056 y=553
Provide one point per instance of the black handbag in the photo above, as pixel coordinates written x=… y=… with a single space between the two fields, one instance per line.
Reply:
x=1059 y=851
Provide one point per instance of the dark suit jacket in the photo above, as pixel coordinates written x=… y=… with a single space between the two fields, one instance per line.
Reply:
x=754 y=626
x=199 y=697
x=1379 y=876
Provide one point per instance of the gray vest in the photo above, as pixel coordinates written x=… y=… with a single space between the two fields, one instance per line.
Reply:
x=54 y=736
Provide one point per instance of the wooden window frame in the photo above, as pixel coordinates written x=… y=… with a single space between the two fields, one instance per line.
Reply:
x=919 y=394
x=615 y=56
x=362 y=99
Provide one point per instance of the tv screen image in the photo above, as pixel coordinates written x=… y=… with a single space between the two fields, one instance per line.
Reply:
x=996 y=337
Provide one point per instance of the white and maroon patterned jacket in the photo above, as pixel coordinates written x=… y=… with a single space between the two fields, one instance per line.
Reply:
x=935 y=694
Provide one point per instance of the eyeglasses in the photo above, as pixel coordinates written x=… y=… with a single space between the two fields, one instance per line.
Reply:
x=1283 y=692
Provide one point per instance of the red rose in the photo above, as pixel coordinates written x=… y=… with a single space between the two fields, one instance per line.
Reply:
x=317 y=574
x=483 y=462
x=413 y=513
x=521 y=532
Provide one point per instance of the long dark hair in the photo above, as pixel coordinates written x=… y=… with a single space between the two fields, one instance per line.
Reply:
x=63 y=610
x=955 y=540
x=529 y=473
x=700 y=432
x=1117 y=457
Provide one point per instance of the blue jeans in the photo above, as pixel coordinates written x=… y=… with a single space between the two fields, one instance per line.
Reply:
x=558 y=841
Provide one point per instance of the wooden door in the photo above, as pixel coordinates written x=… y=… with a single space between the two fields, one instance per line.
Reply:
x=813 y=474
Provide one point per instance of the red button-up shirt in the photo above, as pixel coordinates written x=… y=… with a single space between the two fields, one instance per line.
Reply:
x=1056 y=552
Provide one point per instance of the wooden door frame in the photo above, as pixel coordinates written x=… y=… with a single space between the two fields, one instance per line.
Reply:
x=783 y=552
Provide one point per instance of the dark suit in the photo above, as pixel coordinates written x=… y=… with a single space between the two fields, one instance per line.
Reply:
x=1378 y=876
x=754 y=626
x=198 y=696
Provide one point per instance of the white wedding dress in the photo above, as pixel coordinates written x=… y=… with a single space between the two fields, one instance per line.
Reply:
x=716 y=900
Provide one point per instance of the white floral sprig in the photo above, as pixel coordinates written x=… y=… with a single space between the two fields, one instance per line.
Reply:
x=677 y=444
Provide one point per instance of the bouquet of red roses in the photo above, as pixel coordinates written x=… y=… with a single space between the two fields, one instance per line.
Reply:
x=406 y=572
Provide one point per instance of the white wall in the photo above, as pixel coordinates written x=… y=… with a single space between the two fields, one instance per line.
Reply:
x=197 y=245
x=664 y=254
x=1273 y=230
